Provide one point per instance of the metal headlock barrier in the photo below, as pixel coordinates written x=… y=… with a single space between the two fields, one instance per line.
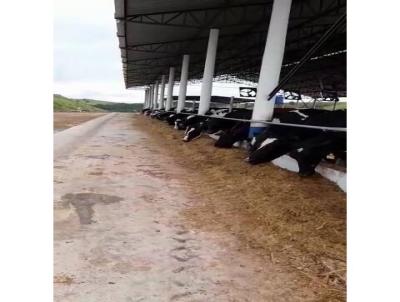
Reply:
x=337 y=129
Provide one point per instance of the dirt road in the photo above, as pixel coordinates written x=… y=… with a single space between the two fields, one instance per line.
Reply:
x=122 y=231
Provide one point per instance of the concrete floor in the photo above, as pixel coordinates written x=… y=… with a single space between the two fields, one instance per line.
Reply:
x=118 y=235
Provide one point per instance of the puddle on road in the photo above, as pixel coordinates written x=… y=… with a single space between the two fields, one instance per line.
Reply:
x=102 y=156
x=84 y=202
x=55 y=130
x=96 y=173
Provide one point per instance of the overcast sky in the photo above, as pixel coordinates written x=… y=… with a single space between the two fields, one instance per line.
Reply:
x=87 y=61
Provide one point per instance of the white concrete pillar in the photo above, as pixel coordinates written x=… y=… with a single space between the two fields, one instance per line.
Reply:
x=183 y=83
x=151 y=96
x=206 y=85
x=155 y=106
x=170 y=88
x=162 y=91
x=146 y=96
x=231 y=103
x=271 y=64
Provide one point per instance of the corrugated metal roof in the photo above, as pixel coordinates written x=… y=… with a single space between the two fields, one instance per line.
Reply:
x=154 y=34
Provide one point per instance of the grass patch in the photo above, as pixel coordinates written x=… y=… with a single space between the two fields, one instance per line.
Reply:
x=64 y=104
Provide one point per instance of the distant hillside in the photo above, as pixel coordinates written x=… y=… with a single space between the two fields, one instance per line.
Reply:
x=61 y=103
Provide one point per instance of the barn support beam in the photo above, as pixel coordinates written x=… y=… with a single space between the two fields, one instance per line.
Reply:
x=183 y=83
x=206 y=85
x=170 y=88
x=271 y=64
x=231 y=101
x=155 y=105
x=146 y=98
x=161 y=104
x=151 y=96
x=325 y=37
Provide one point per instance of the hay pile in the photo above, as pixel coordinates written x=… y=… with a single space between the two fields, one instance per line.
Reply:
x=296 y=223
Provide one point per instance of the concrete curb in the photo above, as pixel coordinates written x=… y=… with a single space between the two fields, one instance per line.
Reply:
x=67 y=140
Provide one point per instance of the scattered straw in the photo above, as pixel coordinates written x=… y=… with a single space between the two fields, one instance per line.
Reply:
x=298 y=223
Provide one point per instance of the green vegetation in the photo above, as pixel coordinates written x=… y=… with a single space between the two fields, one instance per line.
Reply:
x=61 y=103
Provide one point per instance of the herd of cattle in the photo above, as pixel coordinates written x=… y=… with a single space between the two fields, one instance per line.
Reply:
x=308 y=146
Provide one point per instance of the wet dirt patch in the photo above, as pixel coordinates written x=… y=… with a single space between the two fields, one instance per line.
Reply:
x=102 y=156
x=84 y=202
x=153 y=173
x=96 y=173
x=63 y=279
x=55 y=130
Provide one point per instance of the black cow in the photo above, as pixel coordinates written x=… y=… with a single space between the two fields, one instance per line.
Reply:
x=307 y=146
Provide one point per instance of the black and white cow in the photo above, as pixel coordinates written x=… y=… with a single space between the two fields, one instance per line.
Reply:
x=307 y=146
x=194 y=131
x=310 y=152
x=180 y=121
x=234 y=136
x=162 y=115
x=196 y=126
x=239 y=133
x=155 y=113
x=146 y=111
x=190 y=120
x=271 y=145
x=215 y=125
x=173 y=117
x=304 y=116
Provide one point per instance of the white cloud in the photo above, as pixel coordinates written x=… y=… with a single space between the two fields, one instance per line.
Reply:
x=87 y=62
